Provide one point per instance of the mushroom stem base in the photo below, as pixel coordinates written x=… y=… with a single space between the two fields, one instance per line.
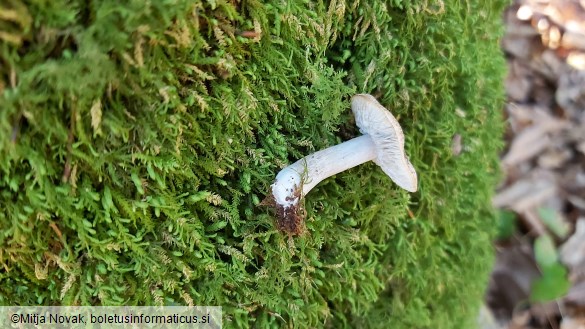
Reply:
x=289 y=219
x=295 y=181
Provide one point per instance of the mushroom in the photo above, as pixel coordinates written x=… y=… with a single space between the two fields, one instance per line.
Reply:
x=382 y=142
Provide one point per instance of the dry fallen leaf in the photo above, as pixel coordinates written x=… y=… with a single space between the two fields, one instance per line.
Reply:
x=96 y=116
x=572 y=323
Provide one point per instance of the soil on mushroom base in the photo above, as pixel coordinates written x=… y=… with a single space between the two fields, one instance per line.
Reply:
x=290 y=219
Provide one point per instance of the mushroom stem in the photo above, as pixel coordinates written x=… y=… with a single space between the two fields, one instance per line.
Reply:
x=296 y=180
x=382 y=142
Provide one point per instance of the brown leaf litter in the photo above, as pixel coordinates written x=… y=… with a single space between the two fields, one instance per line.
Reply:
x=544 y=162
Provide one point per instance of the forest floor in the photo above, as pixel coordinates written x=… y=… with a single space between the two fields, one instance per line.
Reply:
x=539 y=277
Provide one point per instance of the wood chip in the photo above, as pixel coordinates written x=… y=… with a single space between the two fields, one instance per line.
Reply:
x=526 y=145
x=518 y=83
x=522 y=116
x=525 y=194
x=577 y=201
x=573 y=40
x=533 y=222
x=576 y=296
x=521 y=47
x=553 y=159
x=572 y=252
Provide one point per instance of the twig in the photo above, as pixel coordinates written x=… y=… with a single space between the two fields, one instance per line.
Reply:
x=70 y=138
x=530 y=218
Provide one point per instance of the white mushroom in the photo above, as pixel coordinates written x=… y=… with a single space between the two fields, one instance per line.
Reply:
x=382 y=142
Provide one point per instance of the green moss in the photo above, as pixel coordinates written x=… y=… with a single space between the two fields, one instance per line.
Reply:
x=138 y=139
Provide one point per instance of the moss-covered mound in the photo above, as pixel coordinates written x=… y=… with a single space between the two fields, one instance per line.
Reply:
x=138 y=139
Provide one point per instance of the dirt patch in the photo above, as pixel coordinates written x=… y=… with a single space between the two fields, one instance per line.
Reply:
x=289 y=220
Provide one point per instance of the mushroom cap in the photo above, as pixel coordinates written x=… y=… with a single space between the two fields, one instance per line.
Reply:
x=375 y=120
